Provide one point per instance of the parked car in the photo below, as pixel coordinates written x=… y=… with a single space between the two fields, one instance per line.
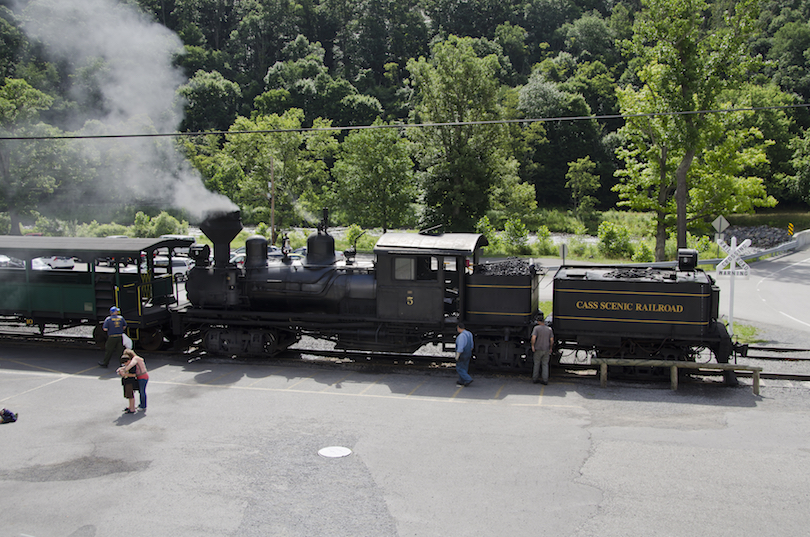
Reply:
x=180 y=250
x=39 y=264
x=12 y=262
x=180 y=266
x=238 y=259
x=58 y=262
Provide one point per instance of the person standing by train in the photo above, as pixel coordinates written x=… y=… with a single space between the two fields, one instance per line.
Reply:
x=114 y=325
x=464 y=348
x=542 y=341
x=140 y=373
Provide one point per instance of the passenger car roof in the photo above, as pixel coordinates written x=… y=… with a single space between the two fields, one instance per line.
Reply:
x=441 y=244
x=27 y=247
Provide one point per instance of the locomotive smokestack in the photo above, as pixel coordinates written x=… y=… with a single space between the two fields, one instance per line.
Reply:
x=221 y=228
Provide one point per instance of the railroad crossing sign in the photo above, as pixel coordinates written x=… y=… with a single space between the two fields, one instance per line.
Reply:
x=737 y=267
x=734 y=261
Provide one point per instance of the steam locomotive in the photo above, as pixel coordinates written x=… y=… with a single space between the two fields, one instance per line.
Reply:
x=417 y=291
x=423 y=285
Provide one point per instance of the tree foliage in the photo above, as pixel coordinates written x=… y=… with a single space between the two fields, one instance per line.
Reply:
x=687 y=62
x=374 y=182
x=283 y=64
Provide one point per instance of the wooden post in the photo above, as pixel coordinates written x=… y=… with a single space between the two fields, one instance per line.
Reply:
x=603 y=374
x=673 y=377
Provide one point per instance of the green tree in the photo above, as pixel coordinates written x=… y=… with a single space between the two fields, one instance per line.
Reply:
x=303 y=81
x=211 y=102
x=27 y=171
x=582 y=183
x=374 y=179
x=246 y=164
x=778 y=125
x=721 y=177
x=791 y=59
x=567 y=141
x=801 y=164
x=461 y=163
x=689 y=55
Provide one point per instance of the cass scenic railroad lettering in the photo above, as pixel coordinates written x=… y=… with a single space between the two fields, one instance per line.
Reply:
x=629 y=306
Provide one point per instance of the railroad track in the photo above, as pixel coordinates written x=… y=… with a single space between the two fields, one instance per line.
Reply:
x=368 y=360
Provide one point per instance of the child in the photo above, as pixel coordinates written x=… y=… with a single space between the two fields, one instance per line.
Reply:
x=130 y=384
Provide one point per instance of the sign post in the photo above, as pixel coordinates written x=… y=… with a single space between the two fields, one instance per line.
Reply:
x=736 y=267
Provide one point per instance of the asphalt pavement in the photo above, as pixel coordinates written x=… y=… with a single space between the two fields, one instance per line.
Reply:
x=232 y=449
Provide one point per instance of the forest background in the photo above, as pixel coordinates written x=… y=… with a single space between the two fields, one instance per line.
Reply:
x=535 y=114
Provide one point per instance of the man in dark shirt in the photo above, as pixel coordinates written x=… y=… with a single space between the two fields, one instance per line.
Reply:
x=542 y=341
x=114 y=325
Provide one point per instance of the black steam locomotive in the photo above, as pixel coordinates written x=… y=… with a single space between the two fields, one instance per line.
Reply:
x=422 y=285
x=415 y=293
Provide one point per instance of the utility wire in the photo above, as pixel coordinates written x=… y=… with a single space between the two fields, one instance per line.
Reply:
x=403 y=125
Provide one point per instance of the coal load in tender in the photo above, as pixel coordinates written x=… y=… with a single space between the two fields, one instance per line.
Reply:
x=513 y=266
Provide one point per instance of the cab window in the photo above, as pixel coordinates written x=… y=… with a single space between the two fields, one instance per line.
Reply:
x=422 y=268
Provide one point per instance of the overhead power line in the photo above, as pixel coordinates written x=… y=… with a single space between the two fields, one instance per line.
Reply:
x=401 y=125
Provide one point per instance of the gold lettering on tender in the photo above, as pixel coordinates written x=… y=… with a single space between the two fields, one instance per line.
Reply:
x=660 y=308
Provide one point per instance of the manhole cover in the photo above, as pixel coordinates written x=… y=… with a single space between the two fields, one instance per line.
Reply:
x=334 y=452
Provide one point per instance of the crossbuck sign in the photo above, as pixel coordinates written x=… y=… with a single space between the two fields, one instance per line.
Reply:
x=736 y=267
x=733 y=264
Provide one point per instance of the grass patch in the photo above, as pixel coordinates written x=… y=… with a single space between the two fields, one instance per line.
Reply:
x=747 y=334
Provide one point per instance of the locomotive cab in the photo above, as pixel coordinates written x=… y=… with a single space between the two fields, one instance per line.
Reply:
x=420 y=277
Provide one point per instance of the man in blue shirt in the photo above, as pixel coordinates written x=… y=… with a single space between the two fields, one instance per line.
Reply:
x=464 y=348
x=114 y=325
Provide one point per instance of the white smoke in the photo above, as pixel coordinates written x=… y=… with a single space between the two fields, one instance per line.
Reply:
x=129 y=61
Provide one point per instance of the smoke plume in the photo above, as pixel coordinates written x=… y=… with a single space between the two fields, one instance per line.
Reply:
x=124 y=81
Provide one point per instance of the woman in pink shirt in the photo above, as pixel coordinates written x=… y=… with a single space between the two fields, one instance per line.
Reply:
x=140 y=373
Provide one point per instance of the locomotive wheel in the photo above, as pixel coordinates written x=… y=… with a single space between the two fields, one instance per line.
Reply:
x=151 y=340
x=99 y=336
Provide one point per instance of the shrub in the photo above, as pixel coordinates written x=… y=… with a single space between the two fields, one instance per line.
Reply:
x=486 y=228
x=166 y=224
x=516 y=236
x=644 y=253
x=700 y=243
x=353 y=232
x=614 y=240
x=94 y=229
x=545 y=246
x=636 y=224
x=580 y=248
x=559 y=221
